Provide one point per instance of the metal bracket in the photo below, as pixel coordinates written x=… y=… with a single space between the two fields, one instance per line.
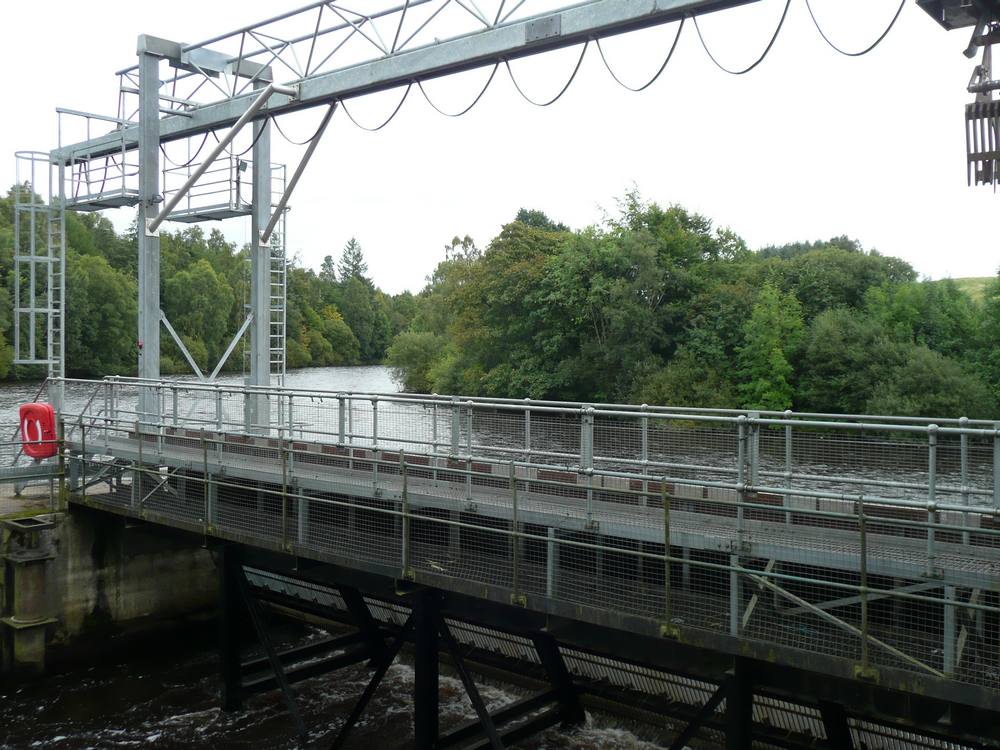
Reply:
x=543 y=28
x=150 y=230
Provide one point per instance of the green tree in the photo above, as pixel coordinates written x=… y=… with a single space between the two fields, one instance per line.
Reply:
x=101 y=313
x=411 y=357
x=771 y=337
x=328 y=271
x=352 y=262
x=928 y=384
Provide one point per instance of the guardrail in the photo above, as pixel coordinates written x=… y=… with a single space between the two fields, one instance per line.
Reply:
x=875 y=541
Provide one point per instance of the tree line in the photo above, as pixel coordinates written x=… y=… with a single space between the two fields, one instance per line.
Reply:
x=337 y=316
x=655 y=305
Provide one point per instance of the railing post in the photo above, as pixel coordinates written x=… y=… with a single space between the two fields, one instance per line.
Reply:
x=284 y=496
x=551 y=562
x=527 y=432
x=667 y=612
x=948 y=657
x=996 y=466
x=863 y=576
x=173 y=390
x=932 y=512
x=734 y=595
x=83 y=458
x=434 y=424
x=341 y=420
x=644 y=422
x=291 y=436
x=963 y=422
x=741 y=460
x=788 y=467
x=515 y=598
x=587 y=457
x=456 y=429
x=405 y=506
x=468 y=454
x=137 y=498
x=375 y=450
x=218 y=409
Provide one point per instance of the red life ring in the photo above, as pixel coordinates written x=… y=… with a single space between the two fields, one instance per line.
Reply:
x=38 y=430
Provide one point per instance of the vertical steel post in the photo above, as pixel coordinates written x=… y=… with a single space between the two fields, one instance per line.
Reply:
x=949 y=631
x=788 y=467
x=468 y=454
x=456 y=428
x=996 y=465
x=587 y=456
x=734 y=596
x=644 y=501
x=551 y=563
x=173 y=390
x=863 y=567
x=149 y=243
x=515 y=537
x=666 y=551
x=341 y=420
x=260 y=273
x=741 y=460
x=932 y=512
x=405 y=525
x=434 y=424
x=375 y=450
x=527 y=433
x=964 y=471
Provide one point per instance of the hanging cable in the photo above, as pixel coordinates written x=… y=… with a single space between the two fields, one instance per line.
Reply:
x=474 y=101
x=662 y=67
x=190 y=161
x=391 y=117
x=248 y=148
x=867 y=49
x=720 y=66
x=556 y=98
x=306 y=142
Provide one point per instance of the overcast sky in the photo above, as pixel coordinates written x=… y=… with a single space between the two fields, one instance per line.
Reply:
x=809 y=145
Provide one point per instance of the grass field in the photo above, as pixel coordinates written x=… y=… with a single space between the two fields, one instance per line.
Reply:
x=974 y=286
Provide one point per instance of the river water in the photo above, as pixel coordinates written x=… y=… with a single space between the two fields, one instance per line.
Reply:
x=167 y=696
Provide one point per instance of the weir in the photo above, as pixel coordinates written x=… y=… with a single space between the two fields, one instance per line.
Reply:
x=847 y=566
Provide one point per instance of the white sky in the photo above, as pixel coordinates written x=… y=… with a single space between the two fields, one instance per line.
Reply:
x=809 y=145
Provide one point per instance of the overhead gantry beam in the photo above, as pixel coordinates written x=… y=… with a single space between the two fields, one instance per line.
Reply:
x=551 y=31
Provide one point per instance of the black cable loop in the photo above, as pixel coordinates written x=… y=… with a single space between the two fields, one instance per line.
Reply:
x=760 y=59
x=475 y=101
x=658 y=73
x=564 y=88
x=248 y=148
x=391 y=117
x=309 y=140
x=867 y=49
x=191 y=160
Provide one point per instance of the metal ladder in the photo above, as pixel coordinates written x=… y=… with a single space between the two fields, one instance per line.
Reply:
x=39 y=264
x=278 y=302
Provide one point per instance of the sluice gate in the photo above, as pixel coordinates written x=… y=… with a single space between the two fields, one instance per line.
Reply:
x=840 y=573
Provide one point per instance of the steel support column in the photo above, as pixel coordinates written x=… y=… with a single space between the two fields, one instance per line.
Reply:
x=258 y=412
x=739 y=709
x=231 y=613
x=426 y=617
x=149 y=243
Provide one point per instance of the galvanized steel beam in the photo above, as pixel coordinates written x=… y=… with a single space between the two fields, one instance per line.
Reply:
x=563 y=28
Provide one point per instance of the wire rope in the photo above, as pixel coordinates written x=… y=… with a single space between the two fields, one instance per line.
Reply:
x=652 y=80
x=774 y=38
x=558 y=96
x=309 y=140
x=391 y=117
x=867 y=49
x=190 y=161
x=475 y=101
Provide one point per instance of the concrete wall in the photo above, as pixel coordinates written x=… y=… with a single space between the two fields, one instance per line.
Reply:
x=108 y=575
x=94 y=576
